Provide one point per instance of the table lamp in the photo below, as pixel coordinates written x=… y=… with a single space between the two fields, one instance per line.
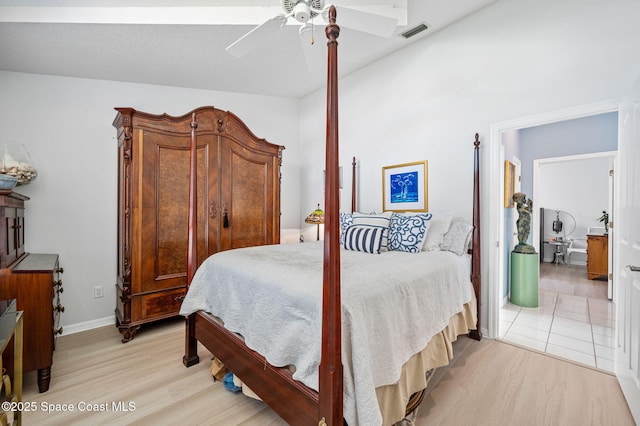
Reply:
x=316 y=217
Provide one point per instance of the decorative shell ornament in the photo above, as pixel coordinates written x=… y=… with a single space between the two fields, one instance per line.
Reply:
x=15 y=161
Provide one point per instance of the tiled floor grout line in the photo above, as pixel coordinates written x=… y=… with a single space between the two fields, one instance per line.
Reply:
x=553 y=316
x=568 y=313
x=593 y=339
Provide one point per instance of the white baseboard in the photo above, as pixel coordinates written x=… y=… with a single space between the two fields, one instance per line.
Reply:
x=505 y=300
x=88 y=325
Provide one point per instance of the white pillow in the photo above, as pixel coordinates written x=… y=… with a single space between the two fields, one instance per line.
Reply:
x=457 y=239
x=407 y=232
x=379 y=220
x=438 y=226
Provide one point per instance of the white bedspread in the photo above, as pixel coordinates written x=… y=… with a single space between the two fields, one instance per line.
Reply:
x=392 y=304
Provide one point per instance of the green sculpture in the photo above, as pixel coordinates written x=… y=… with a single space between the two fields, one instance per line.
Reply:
x=524 y=207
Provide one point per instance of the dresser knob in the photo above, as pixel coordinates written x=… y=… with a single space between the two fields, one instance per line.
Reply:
x=58 y=331
x=59 y=289
x=59 y=308
x=179 y=298
x=60 y=270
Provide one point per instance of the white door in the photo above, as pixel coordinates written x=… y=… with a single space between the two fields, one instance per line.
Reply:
x=627 y=250
x=611 y=242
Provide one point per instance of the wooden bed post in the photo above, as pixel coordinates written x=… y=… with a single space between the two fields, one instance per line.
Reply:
x=353 y=185
x=191 y=344
x=475 y=263
x=330 y=397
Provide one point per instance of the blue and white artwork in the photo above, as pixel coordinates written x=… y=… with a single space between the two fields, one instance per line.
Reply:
x=404 y=187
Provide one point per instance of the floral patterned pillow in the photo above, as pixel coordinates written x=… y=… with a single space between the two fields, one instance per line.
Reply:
x=346 y=220
x=407 y=233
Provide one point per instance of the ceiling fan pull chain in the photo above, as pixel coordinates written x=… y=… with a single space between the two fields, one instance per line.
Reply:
x=313 y=41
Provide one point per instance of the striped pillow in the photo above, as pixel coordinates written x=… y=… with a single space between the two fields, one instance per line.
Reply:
x=380 y=220
x=363 y=238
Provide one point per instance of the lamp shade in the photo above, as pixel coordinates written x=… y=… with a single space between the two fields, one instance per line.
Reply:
x=316 y=217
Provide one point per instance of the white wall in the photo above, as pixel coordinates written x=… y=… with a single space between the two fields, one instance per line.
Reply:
x=66 y=125
x=512 y=59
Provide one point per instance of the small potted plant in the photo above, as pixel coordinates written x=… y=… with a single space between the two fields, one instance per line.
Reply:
x=605 y=219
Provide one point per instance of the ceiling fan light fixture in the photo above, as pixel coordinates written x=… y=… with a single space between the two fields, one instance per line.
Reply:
x=415 y=30
x=302 y=10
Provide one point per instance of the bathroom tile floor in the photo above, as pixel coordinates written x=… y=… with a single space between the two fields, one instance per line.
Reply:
x=574 y=319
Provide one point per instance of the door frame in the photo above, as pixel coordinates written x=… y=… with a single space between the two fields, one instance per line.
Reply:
x=494 y=222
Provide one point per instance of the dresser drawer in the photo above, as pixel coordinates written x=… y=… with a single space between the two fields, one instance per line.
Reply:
x=162 y=304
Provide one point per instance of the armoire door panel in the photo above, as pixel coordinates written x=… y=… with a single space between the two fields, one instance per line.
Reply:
x=165 y=210
x=248 y=195
x=247 y=209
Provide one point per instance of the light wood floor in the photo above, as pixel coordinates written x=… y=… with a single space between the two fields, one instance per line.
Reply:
x=488 y=383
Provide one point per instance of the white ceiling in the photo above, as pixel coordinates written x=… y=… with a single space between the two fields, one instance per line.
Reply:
x=182 y=42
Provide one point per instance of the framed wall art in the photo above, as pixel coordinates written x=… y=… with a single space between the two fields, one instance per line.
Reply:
x=404 y=187
x=509 y=183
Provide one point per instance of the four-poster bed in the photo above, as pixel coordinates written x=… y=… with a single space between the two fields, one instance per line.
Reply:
x=294 y=401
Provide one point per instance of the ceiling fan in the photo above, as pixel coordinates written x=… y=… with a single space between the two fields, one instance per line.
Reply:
x=304 y=11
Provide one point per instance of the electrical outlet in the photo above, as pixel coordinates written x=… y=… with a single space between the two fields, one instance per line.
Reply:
x=97 y=291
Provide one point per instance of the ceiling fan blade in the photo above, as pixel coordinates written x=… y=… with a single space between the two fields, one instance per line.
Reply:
x=371 y=23
x=313 y=53
x=257 y=36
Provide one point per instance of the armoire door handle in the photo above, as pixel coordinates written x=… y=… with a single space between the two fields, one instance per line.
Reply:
x=225 y=215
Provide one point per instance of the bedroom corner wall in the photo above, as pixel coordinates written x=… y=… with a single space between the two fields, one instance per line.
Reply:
x=511 y=59
x=65 y=124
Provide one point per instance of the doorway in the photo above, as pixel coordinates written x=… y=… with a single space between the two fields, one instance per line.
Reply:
x=574 y=319
x=494 y=246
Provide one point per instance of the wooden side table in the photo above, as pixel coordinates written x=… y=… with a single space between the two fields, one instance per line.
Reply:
x=15 y=331
x=597 y=256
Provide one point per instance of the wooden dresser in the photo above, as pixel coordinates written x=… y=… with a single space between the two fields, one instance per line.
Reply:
x=238 y=203
x=597 y=256
x=34 y=281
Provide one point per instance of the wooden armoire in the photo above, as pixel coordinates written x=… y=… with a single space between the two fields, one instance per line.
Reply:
x=238 y=180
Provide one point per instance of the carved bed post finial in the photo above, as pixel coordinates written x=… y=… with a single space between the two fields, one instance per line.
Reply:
x=332 y=31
